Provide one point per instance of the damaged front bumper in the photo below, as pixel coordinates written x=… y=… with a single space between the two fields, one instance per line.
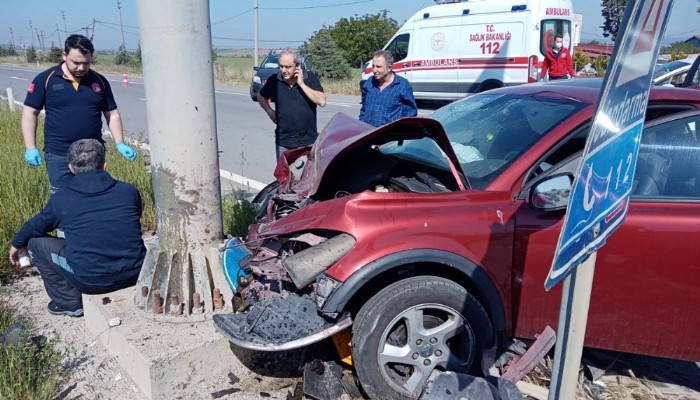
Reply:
x=279 y=324
x=282 y=289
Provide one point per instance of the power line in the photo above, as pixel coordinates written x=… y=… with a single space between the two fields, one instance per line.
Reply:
x=324 y=6
x=230 y=18
x=250 y=40
x=293 y=8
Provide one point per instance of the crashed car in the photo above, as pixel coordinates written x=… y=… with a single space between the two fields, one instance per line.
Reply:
x=432 y=237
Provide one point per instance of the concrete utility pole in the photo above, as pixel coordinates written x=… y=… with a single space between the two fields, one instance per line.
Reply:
x=255 y=60
x=12 y=38
x=65 y=28
x=181 y=277
x=31 y=33
x=38 y=37
x=119 y=6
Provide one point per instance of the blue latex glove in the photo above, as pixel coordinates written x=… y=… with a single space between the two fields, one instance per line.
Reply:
x=32 y=157
x=126 y=151
x=541 y=79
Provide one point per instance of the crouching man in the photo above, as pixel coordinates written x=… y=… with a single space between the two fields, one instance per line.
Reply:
x=101 y=217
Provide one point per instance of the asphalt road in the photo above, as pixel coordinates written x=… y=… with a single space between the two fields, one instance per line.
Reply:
x=246 y=135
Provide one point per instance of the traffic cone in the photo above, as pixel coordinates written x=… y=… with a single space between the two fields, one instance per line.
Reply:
x=125 y=80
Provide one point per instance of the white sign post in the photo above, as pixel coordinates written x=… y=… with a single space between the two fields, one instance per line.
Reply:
x=601 y=191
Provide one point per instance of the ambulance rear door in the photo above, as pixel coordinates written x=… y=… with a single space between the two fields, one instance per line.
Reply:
x=494 y=51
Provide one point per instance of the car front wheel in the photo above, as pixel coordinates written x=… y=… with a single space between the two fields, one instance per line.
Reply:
x=412 y=327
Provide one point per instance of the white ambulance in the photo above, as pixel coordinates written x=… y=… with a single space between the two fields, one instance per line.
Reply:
x=449 y=50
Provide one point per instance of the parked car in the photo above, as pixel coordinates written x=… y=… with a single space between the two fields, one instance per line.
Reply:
x=672 y=73
x=692 y=78
x=432 y=237
x=268 y=66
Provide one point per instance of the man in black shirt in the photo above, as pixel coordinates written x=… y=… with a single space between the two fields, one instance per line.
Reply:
x=296 y=93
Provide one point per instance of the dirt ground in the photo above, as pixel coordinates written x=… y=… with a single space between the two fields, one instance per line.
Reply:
x=97 y=375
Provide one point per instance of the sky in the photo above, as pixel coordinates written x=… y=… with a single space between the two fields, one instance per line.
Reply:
x=282 y=23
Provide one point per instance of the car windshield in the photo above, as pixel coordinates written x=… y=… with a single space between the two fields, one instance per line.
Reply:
x=488 y=132
x=668 y=67
x=271 y=61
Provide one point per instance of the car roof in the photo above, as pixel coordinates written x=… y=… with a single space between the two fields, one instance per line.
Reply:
x=588 y=90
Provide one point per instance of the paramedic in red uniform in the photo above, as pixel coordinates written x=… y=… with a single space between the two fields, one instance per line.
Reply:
x=75 y=99
x=558 y=61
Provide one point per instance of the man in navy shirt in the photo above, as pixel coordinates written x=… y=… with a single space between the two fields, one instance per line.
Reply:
x=103 y=249
x=75 y=99
x=296 y=93
x=386 y=96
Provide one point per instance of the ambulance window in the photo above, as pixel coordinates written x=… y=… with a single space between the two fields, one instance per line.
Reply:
x=399 y=47
x=552 y=27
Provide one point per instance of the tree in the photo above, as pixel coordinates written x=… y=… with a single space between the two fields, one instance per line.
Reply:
x=55 y=54
x=600 y=64
x=679 y=47
x=359 y=37
x=580 y=60
x=137 y=54
x=326 y=56
x=613 y=11
x=123 y=57
x=31 y=55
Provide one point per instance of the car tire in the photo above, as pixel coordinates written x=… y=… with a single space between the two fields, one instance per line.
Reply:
x=451 y=334
x=261 y=199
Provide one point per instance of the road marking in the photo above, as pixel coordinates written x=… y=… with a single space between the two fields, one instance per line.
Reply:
x=242 y=180
x=330 y=103
x=141 y=98
x=233 y=93
x=20 y=79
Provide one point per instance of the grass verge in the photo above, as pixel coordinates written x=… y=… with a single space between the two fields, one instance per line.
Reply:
x=30 y=367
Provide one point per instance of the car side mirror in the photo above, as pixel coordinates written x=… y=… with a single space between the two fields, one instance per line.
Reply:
x=256 y=68
x=552 y=193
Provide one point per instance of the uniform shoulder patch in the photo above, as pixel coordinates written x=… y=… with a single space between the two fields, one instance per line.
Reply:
x=30 y=89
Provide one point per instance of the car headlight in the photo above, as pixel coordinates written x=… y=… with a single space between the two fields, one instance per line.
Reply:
x=256 y=79
x=304 y=266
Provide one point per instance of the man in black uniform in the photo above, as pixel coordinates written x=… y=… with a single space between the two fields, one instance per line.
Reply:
x=296 y=93
x=75 y=98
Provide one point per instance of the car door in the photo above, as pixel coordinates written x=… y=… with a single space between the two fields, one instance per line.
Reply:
x=647 y=279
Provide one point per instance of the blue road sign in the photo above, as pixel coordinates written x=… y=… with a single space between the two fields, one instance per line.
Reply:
x=601 y=191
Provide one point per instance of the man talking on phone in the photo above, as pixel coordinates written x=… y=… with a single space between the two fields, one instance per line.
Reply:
x=296 y=93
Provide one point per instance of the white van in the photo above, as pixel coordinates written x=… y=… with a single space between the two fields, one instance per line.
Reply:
x=449 y=50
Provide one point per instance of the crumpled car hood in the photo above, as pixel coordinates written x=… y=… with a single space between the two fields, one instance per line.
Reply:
x=343 y=133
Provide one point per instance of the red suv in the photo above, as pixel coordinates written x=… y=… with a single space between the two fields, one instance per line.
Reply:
x=433 y=236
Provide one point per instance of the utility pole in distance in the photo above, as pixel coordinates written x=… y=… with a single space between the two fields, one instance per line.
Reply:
x=38 y=37
x=65 y=28
x=31 y=33
x=255 y=60
x=12 y=38
x=119 y=6
x=59 y=36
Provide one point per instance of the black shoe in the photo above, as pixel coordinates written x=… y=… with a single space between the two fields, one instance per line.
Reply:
x=57 y=310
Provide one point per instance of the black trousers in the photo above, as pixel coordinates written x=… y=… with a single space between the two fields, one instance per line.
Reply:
x=62 y=286
x=553 y=78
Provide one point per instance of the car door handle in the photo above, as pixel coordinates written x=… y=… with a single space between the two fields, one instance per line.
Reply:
x=405 y=65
